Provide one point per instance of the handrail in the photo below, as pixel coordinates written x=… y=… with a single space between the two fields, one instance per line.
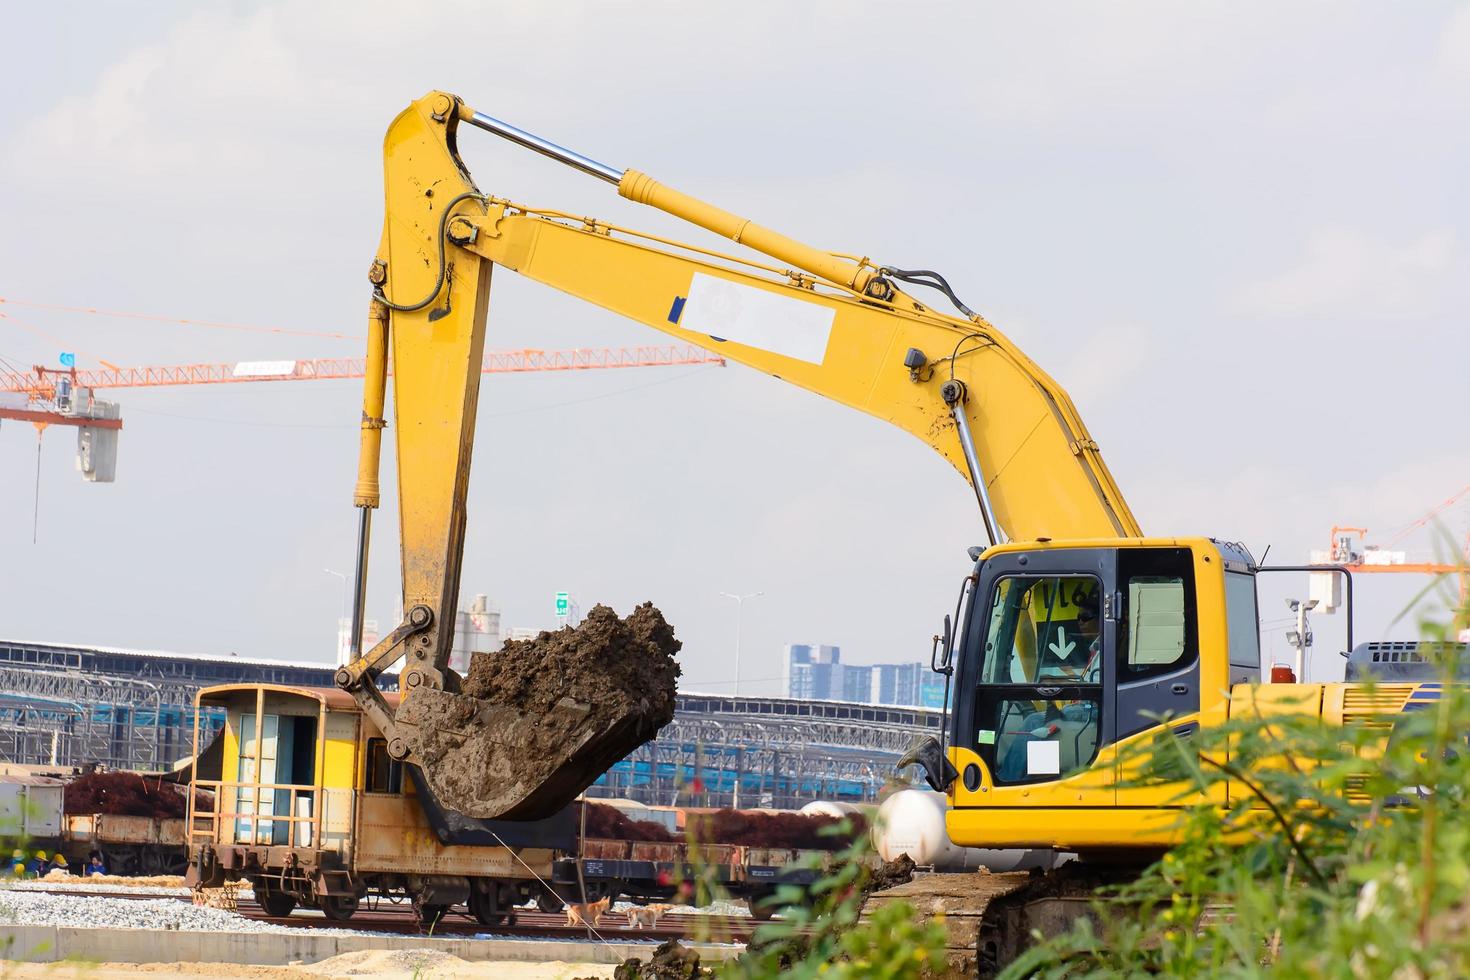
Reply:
x=207 y=825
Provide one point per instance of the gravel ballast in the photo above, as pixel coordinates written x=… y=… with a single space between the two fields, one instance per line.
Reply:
x=27 y=908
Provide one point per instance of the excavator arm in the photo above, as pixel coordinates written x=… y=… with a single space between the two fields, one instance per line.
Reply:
x=836 y=325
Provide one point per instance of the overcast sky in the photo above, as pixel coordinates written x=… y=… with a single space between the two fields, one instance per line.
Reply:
x=1239 y=234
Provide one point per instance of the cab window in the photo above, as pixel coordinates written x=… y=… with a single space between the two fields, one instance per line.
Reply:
x=1043 y=630
x=1038 y=706
x=1244 y=627
x=1156 y=627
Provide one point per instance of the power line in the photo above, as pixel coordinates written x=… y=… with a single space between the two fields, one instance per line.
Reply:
x=178 y=321
x=353 y=425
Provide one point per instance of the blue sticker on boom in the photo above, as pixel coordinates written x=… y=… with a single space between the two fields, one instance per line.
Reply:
x=677 y=310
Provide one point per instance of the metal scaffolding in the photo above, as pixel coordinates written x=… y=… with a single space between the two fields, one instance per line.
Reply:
x=61 y=717
x=131 y=709
x=768 y=752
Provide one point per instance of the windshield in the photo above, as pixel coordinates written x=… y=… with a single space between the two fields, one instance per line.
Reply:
x=1043 y=630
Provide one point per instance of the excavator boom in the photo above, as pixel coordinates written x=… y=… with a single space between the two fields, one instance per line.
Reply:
x=836 y=325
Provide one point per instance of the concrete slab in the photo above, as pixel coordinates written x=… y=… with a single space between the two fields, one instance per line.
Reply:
x=50 y=944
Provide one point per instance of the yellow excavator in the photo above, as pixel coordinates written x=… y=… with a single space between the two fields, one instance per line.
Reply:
x=1075 y=633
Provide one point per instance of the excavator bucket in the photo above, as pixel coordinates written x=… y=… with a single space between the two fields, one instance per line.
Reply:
x=537 y=722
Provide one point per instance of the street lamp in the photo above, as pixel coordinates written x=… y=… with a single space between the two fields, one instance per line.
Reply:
x=1301 y=637
x=739 y=615
x=350 y=652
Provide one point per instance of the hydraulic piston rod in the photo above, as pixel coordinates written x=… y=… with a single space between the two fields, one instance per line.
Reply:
x=953 y=393
x=366 y=494
x=545 y=147
x=643 y=189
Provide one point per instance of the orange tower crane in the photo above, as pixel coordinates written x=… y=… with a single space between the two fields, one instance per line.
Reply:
x=41 y=383
x=66 y=396
x=1348 y=547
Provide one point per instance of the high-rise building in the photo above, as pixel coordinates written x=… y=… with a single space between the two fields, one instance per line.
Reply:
x=477 y=630
x=857 y=684
x=813 y=671
x=816 y=672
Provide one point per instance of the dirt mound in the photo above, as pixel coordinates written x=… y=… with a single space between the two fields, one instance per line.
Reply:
x=671 y=961
x=609 y=823
x=129 y=794
x=756 y=829
x=744 y=827
x=538 y=721
x=377 y=962
x=887 y=875
x=628 y=660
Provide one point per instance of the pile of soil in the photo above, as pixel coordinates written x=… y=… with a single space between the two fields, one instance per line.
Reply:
x=671 y=961
x=899 y=871
x=743 y=827
x=129 y=794
x=609 y=823
x=628 y=660
x=756 y=829
x=538 y=721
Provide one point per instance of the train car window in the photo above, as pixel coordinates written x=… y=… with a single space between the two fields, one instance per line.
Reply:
x=384 y=773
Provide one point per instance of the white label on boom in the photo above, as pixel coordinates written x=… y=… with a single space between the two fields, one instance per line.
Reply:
x=757 y=318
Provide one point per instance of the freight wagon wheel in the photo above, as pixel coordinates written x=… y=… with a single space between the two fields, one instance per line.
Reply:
x=277 y=904
x=338 y=908
x=760 y=909
x=547 y=902
x=485 y=908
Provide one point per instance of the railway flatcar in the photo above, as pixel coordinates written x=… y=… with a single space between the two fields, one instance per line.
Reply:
x=32 y=816
x=310 y=808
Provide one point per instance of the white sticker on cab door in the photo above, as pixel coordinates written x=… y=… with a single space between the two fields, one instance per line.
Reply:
x=1043 y=758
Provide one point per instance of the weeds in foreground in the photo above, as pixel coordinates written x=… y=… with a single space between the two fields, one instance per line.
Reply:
x=819 y=932
x=1343 y=849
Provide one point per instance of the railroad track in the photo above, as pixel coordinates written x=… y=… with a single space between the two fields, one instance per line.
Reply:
x=383 y=915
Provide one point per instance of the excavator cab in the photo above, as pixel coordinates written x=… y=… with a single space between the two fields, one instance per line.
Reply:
x=1070 y=651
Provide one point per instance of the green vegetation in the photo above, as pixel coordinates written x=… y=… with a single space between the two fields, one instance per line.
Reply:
x=1338 y=855
x=819 y=935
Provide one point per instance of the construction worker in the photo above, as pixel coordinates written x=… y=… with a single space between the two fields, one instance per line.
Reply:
x=36 y=866
x=18 y=863
x=95 y=865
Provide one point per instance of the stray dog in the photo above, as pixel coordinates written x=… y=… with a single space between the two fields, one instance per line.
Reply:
x=589 y=913
x=645 y=915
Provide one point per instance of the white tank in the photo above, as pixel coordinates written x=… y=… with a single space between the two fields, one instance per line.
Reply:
x=827 y=808
x=911 y=822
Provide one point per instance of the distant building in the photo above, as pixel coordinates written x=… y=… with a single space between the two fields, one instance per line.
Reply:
x=370 y=638
x=813 y=671
x=857 y=684
x=477 y=630
x=816 y=672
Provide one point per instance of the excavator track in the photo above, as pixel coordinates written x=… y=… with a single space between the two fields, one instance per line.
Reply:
x=989 y=918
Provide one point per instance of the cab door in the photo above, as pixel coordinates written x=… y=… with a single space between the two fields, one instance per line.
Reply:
x=1035 y=688
x=1158 y=661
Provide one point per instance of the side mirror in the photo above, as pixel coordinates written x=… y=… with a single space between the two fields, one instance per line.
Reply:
x=939 y=655
x=926 y=753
